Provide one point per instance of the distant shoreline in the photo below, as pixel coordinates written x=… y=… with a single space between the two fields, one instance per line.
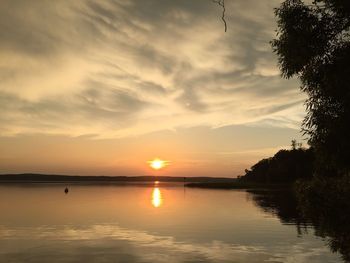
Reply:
x=192 y=182
x=236 y=185
x=54 y=178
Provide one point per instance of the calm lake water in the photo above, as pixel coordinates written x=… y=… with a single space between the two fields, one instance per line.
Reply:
x=150 y=223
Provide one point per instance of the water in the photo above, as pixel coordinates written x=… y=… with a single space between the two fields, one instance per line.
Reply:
x=151 y=223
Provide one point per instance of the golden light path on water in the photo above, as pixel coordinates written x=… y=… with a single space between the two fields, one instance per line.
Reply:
x=157 y=199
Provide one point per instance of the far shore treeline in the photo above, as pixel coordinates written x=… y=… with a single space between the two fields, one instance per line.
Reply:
x=55 y=178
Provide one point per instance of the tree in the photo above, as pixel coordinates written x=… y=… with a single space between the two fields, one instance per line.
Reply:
x=313 y=44
x=294 y=144
x=286 y=166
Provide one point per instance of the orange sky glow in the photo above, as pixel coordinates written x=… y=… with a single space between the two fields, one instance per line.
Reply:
x=105 y=88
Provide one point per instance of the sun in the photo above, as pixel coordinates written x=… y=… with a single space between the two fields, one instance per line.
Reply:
x=158 y=164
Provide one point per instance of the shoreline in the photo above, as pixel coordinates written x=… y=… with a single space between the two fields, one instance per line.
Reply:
x=54 y=178
x=237 y=185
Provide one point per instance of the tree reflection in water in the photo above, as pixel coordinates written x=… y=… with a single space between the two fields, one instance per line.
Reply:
x=328 y=220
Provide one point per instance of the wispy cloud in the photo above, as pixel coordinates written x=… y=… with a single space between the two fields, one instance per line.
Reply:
x=122 y=68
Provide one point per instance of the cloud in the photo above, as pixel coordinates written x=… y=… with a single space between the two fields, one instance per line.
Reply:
x=124 y=68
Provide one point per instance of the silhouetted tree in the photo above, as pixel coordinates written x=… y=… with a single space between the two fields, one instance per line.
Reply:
x=313 y=44
x=286 y=166
x=294 y=144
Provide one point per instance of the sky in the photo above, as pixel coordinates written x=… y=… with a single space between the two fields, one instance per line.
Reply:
x=101 y=87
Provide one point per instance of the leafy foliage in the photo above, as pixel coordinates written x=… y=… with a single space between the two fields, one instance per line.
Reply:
x=313 y=44
x=286 y=166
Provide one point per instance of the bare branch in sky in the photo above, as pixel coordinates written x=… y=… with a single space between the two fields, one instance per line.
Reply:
x=222 y=4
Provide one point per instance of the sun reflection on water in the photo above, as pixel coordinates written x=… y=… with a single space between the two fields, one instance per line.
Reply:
x=157 y=199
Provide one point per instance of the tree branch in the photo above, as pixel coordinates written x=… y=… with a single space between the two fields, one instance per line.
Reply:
x=222 y=4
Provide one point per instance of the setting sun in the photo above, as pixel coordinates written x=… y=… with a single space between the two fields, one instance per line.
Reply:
x=157 y=164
